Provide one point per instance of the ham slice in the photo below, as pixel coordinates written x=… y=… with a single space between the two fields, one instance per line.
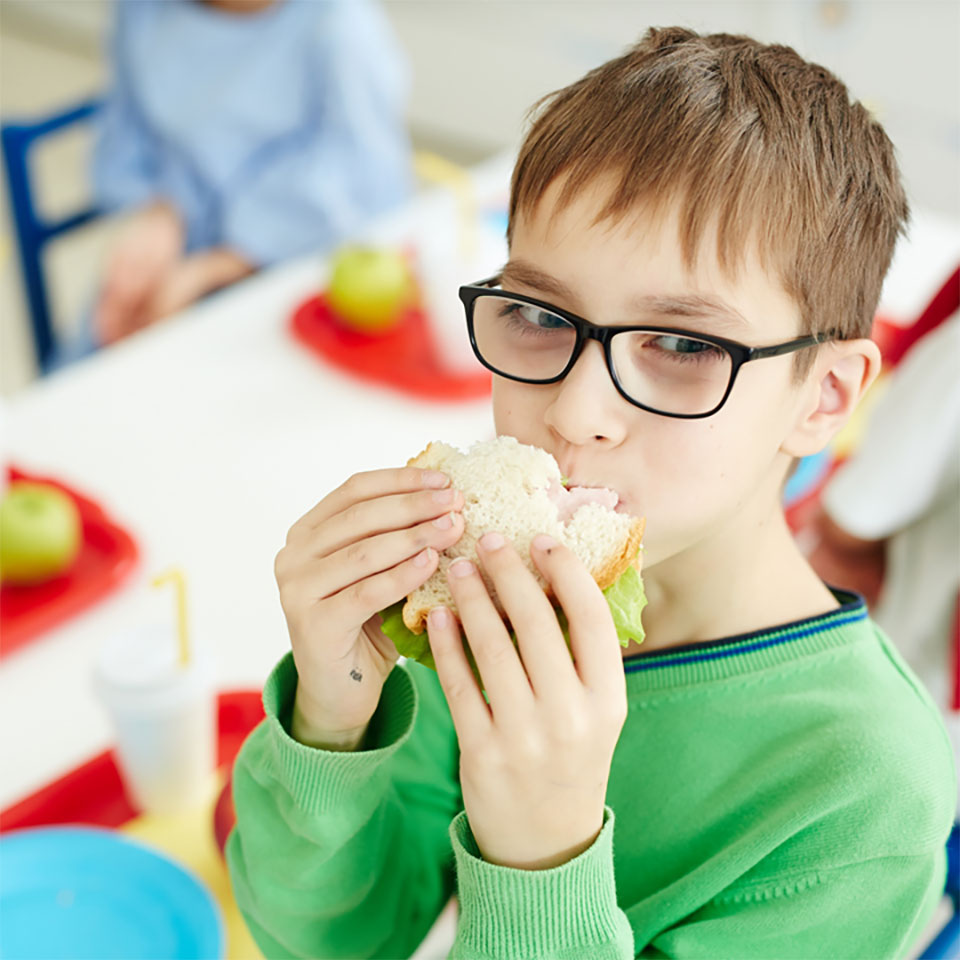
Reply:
x=569 y=500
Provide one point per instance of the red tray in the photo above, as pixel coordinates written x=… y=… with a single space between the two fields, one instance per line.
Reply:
x=93 y=792
x=403 y=357
x=107 y=557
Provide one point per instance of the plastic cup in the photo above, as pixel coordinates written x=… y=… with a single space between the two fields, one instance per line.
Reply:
x=163 y=715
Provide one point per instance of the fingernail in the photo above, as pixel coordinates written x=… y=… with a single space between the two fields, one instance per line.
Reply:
x=543 y=542
x=491 y=541
x=439 y=617
x=444 y=523
x=433 y=478
x=443 y=496
x=461 y=568
x=422 y=558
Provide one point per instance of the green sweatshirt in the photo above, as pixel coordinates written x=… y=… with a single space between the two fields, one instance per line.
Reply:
x=786 y=793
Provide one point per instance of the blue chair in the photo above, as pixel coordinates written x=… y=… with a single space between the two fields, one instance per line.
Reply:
x=34 y=232
x=946 y=945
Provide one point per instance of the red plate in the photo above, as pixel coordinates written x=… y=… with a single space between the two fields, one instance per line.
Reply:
x=107 y=557
x=403 y=357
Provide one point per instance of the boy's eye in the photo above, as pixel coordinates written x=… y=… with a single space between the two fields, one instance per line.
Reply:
x=526 y=314
x=682 y=349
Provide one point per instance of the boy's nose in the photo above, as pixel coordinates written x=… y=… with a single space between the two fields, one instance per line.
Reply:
x=587 y=405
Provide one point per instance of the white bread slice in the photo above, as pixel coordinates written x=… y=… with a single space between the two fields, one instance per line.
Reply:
x=507 y=487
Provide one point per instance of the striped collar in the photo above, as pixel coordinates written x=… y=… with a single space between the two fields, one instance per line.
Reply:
x=746 y=652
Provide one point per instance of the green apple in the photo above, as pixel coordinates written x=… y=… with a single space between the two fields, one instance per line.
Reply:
x=40 y=532
x=369 y=287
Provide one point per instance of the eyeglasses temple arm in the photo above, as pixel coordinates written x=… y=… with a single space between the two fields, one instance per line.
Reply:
x=758 y=353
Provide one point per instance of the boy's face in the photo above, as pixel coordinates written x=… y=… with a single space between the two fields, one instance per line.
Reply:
x=694 y=480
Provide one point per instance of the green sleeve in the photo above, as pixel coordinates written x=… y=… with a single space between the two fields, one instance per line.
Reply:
x=340 y=854
x=874 y=910
x=567 y=912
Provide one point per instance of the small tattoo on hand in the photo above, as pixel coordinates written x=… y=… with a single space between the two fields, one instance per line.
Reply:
x=356 y=674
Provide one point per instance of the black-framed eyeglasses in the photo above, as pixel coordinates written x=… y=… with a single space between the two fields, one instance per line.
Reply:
x=665 y=370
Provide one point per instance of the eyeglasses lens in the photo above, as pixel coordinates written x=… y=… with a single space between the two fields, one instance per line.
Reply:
x=669 y=372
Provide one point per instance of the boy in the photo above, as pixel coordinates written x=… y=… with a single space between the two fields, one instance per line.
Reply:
x=783 y=786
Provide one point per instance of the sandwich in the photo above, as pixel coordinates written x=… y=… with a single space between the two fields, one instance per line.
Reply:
x=518 y=490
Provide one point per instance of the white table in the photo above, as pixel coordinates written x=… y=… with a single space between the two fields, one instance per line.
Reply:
x=207 y=437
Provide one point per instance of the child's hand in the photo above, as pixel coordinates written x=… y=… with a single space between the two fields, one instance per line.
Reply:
x=363 y=547
x=193 y=277
x=145 y=251
x=534 y=764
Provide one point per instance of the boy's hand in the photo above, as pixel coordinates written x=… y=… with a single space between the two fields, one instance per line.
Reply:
x=145 y=251
x=363 y=547
x=534 y=764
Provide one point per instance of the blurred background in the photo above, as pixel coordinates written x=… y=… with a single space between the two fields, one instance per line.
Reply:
x=476 y=66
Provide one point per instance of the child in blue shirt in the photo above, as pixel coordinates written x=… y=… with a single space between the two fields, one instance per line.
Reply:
x=241 y=132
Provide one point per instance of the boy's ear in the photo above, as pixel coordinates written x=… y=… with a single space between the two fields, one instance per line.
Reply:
x=840 y=376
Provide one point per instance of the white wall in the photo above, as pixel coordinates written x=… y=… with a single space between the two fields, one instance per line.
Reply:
x=478 y=65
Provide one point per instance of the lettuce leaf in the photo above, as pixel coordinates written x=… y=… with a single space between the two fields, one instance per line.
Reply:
x=626 y=599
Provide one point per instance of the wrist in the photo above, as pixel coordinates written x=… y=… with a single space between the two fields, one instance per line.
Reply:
x=312 y=731
x=554 y=853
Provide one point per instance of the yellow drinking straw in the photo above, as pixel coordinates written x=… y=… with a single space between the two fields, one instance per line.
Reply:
x=175 y=574
x=436 y=169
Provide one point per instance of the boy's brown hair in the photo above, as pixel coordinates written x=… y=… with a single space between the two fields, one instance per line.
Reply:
x=749 y=132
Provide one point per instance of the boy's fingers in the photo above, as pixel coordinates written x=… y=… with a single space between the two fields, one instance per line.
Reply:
x=370 y=518
x=539 y=637
x=331 y=573
x=355 y=604
x=371 y=484
x=472 y=718
x=593 y=637
x=498 y=659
